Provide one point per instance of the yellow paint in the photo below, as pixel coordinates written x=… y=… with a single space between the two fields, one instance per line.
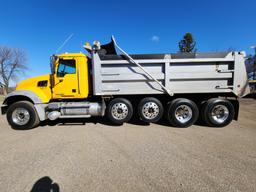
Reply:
x=30 y=84
x=63 y=86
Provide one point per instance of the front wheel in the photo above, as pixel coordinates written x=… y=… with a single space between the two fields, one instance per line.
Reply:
x=22 y=115
x=119 y=111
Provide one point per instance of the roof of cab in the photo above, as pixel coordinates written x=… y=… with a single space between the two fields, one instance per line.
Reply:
x=72 y=55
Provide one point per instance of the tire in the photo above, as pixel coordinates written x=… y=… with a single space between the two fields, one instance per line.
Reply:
x=22 y=115
x=218 y=112
x=119 y=111
x=182 y=112
x=150 y=110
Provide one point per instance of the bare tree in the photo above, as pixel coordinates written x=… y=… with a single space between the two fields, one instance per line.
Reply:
x=12 y=64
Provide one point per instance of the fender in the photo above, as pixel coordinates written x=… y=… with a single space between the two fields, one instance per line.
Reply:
x=27 y=95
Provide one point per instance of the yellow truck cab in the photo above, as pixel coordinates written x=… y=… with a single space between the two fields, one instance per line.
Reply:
x=119 y=85
x=69 y=79
x=70 y=76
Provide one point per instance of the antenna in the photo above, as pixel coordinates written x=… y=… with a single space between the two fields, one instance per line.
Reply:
x=81 y=46
x=64 y=43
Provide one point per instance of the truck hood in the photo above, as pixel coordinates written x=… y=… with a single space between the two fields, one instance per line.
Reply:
x=38 y=81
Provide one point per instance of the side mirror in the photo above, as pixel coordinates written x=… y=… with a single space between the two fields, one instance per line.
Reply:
x=53 y=61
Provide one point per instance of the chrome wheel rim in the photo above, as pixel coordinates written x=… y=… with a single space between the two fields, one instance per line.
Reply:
x=183 y=113
x=150 y=110
x=20 y=116
x=119 y=111
x=220 y=113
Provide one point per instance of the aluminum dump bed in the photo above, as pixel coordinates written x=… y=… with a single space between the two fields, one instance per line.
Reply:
x=168 y=73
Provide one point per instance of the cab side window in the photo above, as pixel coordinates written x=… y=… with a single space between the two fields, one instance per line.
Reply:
x=67 y=66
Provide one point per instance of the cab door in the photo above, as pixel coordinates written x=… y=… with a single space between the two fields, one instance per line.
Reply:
x=66 y=79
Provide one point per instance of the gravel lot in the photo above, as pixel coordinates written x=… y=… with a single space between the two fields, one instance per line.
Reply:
x=133 y=157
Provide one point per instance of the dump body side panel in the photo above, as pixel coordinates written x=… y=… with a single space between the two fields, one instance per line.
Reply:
x=215 y=74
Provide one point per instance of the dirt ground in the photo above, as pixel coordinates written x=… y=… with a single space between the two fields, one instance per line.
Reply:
x=96 y=156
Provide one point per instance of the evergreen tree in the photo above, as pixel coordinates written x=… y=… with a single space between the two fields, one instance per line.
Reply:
x=187 y=44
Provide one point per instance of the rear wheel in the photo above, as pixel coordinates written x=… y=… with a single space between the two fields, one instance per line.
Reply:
x=150 y=109
x=218 y=112
x=119 y=110
x=22 y=115
x=182 y=112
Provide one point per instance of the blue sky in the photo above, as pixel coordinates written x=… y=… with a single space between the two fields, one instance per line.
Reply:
x=40 y=27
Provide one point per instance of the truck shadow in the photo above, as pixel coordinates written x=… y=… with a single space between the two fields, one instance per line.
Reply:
x=45 y=184
x=105 y=121
x=199 y=123
x=251 y=96
x=77 y=121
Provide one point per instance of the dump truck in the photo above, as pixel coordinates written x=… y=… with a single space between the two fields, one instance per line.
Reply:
x=107 y=81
